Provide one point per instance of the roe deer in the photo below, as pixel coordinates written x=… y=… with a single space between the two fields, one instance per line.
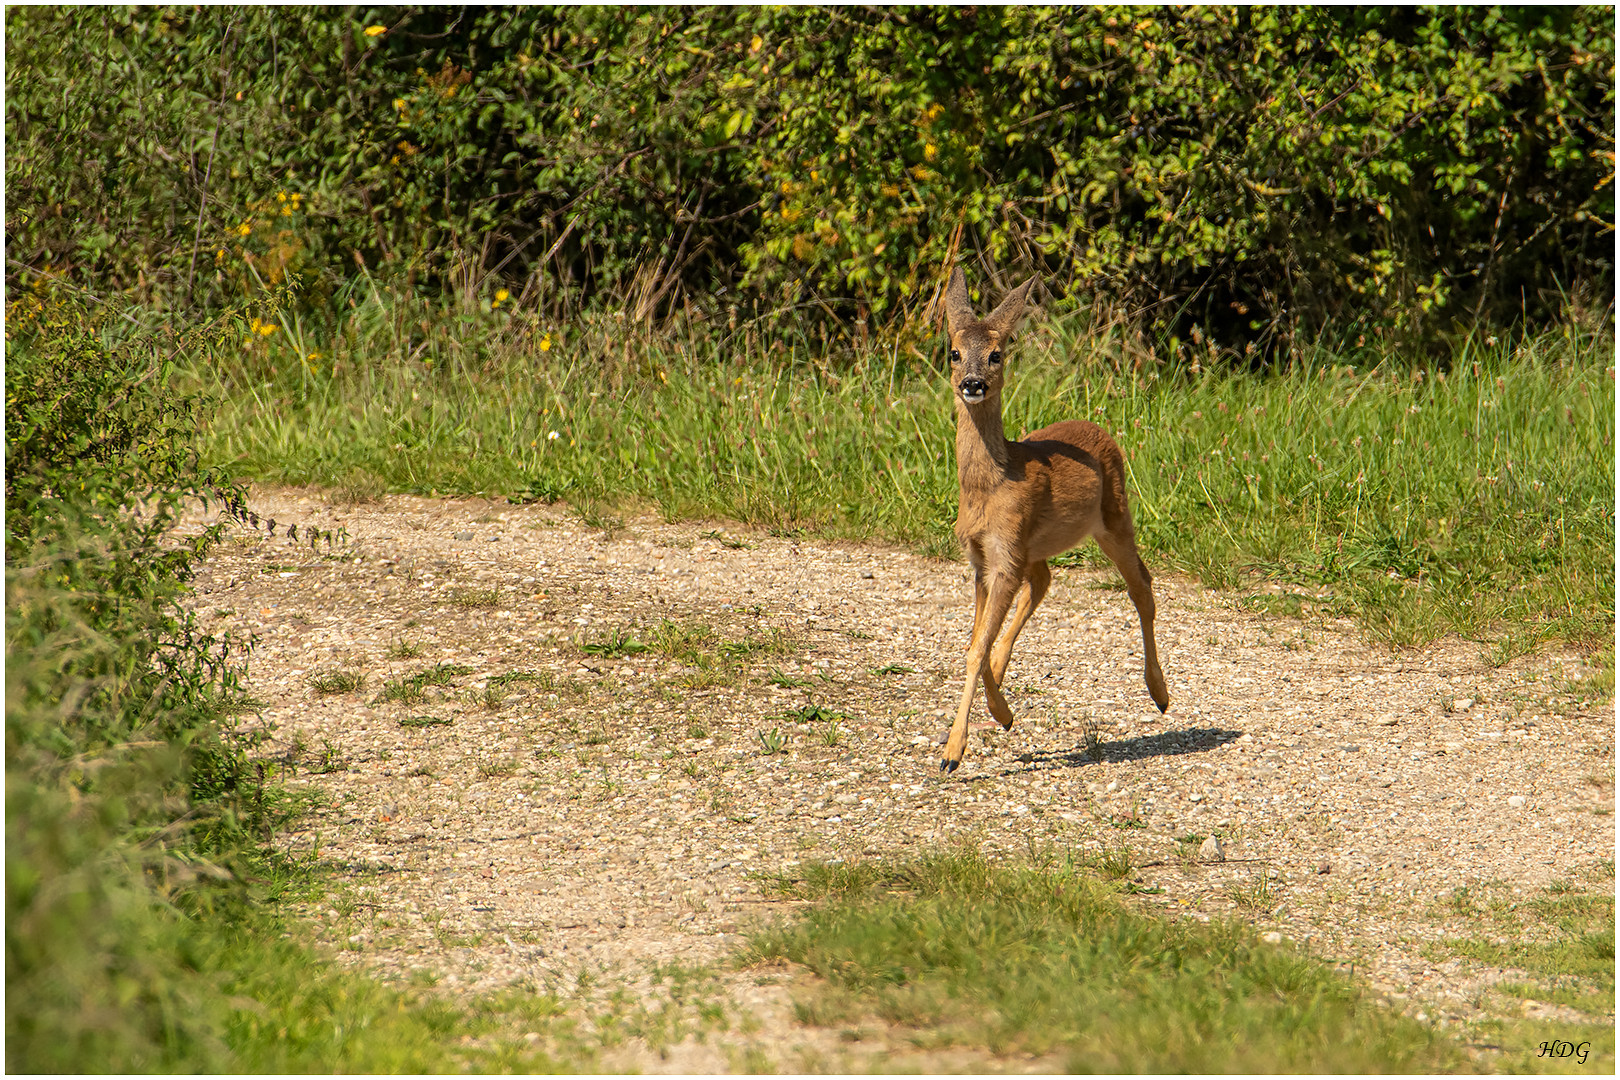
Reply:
x=1024 y=502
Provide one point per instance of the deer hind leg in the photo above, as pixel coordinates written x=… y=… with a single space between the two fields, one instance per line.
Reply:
x=1002 y=588
x=1038 y=580
x=1121 y=550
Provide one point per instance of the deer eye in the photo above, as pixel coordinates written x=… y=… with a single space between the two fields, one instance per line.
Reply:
x=995 y=357
x=956 y=357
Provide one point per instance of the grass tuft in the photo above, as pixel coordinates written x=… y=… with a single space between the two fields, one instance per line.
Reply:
x=336 y=682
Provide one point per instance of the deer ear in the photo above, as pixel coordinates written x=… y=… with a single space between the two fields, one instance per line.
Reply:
x=1002 y=320
x=958 y=308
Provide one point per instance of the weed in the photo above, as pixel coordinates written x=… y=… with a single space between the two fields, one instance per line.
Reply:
x=831 y=734
x=470 y=597
x=726 y=541
x=1091 y=735
x=688 y=643
x=893 y=669
x=616 y=645
x=544 y=679
x=593 y=515
x=336 y=682
x=411 y=690
x=816 y=714
x=496 y=767
x=773 y=642
x=779 y=678
x=331 y=760
x=772 y=741
x=404 y=650
x=422 y=721
x=1256 y=896
x=1116 y=863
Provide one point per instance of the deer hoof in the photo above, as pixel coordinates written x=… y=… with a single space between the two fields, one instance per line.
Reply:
x=947 y=766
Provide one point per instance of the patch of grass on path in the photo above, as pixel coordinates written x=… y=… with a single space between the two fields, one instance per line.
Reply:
x=1557 y=946
x=1049 y=961
x=1472 y=498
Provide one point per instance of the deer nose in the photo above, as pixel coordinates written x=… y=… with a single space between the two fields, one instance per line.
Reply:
x=973 y=390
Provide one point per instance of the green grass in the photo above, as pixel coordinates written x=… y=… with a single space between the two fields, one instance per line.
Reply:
x=1475 y=500
x=337 y=682
x=236 y=1000
x=1050 y=961
x=615 y=646
x=412 y=689
x=469 y=597
x=1558 y=948
x=422 y=721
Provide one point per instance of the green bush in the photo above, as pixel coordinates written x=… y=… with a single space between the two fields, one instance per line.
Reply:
x=1242 y=176
x=128 y=790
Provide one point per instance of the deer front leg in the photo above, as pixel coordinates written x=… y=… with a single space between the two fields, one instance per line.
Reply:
x=979 y=592
x=1038 y=582
x=1002 y=588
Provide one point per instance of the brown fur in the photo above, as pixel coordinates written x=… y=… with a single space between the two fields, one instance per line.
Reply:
x=1024 y=502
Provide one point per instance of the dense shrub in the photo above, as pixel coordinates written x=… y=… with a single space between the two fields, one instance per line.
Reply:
x=1241 y=175
x=128 y=789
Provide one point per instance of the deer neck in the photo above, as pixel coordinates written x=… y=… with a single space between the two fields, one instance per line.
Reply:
x=981 y=444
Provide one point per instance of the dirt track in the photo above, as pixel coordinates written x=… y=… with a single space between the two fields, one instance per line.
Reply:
x=606 y=813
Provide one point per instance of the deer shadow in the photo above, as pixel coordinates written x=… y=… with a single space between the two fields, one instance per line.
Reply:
x=1165 y=744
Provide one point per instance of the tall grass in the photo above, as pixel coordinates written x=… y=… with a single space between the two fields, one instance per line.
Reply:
x=1474 y=499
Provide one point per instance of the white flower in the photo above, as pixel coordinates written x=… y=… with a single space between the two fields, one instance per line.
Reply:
x=553 y=436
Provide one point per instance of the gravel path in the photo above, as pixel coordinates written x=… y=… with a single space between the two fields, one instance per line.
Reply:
x=549 y=810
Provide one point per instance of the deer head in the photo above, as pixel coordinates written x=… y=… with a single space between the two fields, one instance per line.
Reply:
x=977 y=344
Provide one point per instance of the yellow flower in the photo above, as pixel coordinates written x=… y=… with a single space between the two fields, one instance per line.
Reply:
x=891 y=190
x=373 y=31
x=501 y=295
x=399 y=103
x=266 y=329
x=545 y=343
x=930 y=151
x=281 y=196
x=244 y=228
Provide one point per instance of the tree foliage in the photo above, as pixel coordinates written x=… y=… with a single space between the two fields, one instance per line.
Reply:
x=1243 y=175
